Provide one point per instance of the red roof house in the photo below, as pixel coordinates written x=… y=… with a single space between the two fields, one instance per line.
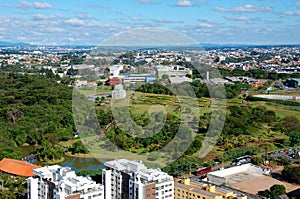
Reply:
x=17 y=167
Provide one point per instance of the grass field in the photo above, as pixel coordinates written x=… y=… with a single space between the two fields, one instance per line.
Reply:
x=280 y=110
x=87 y=92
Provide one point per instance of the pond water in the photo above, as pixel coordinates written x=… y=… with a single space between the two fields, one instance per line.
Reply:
x=78 y=164
x=75 y=163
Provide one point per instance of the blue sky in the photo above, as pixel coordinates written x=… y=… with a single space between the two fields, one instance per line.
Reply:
x=90 y=22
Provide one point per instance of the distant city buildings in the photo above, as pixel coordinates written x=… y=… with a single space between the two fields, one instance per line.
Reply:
x=179 y=80
x=133 y=180
x=115 y=70
x=176 y=71
x=56 y=182
x=134 y=78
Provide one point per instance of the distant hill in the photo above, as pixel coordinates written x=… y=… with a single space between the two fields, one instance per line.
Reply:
x=7 y=44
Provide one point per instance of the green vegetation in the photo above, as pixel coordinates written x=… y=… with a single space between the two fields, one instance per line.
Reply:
x=78 y=147
x=258 y=74
x=34 y=110
x=185 y=164
x=291 y=174
x=275 y=190
x=200 y=89
x=96 y=174
x=13 y=187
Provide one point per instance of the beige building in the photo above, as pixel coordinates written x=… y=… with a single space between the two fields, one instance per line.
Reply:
x=187 y=189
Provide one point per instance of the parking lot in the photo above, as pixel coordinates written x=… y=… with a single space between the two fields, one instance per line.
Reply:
x=289 y=154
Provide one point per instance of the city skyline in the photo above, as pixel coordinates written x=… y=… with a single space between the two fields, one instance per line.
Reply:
x=205 y=21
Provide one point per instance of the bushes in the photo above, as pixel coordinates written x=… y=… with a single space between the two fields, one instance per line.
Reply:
x=291 y=174
x=257 y=160
x=235 y=153
x=275 y=190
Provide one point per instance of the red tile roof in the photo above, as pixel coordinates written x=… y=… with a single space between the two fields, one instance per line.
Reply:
x=17 y=167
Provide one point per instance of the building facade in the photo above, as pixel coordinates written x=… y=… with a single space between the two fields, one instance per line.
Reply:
x=56 y=182
x=125 y=179
x=134 y=78
x=191 y=189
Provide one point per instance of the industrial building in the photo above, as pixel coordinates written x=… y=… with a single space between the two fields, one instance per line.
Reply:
x=133 y=180
x=134 y=78
x=191 y=189
x=172 y=71
x=56 y=182
x=179 y=80
x=235 y=174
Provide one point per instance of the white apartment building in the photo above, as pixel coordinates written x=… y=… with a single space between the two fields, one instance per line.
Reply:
x=125 y=179
x=56 y=182
x=115 y=70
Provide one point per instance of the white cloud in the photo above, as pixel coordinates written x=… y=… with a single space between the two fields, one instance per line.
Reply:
x=205 y=25
x=71 y=39
x=184 y=3
x=245 y=8
x=291 y=13
x=96 y=6
x=54 y=30
x=42 y=5
x=297 y=3
x=22 y=38
x=148 y=2
x=39 y=17
x=133 y=18
x=37 y=5
x=163 y=21
x=74 y=21
x=238 y=18
x=83 y=15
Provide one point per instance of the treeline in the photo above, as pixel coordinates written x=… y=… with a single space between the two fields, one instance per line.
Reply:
x=34 y=110
x=258 y=74
x=195 y=88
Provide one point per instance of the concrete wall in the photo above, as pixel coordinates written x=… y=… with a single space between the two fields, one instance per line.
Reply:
x=216 y=179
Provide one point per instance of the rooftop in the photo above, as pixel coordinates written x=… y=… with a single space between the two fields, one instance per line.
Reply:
x=137 y=167
x=198 y=190
x=17 y=167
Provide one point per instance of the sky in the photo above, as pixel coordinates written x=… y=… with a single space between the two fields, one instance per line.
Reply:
x=90 y=22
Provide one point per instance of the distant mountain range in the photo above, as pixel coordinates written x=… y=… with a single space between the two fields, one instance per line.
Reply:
x=203 y=45
x=8 y=44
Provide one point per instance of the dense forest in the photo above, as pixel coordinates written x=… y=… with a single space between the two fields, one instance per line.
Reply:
x=34 y=110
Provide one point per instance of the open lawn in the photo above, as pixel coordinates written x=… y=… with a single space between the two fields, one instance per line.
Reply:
x=87 y=92
x=280 y=110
